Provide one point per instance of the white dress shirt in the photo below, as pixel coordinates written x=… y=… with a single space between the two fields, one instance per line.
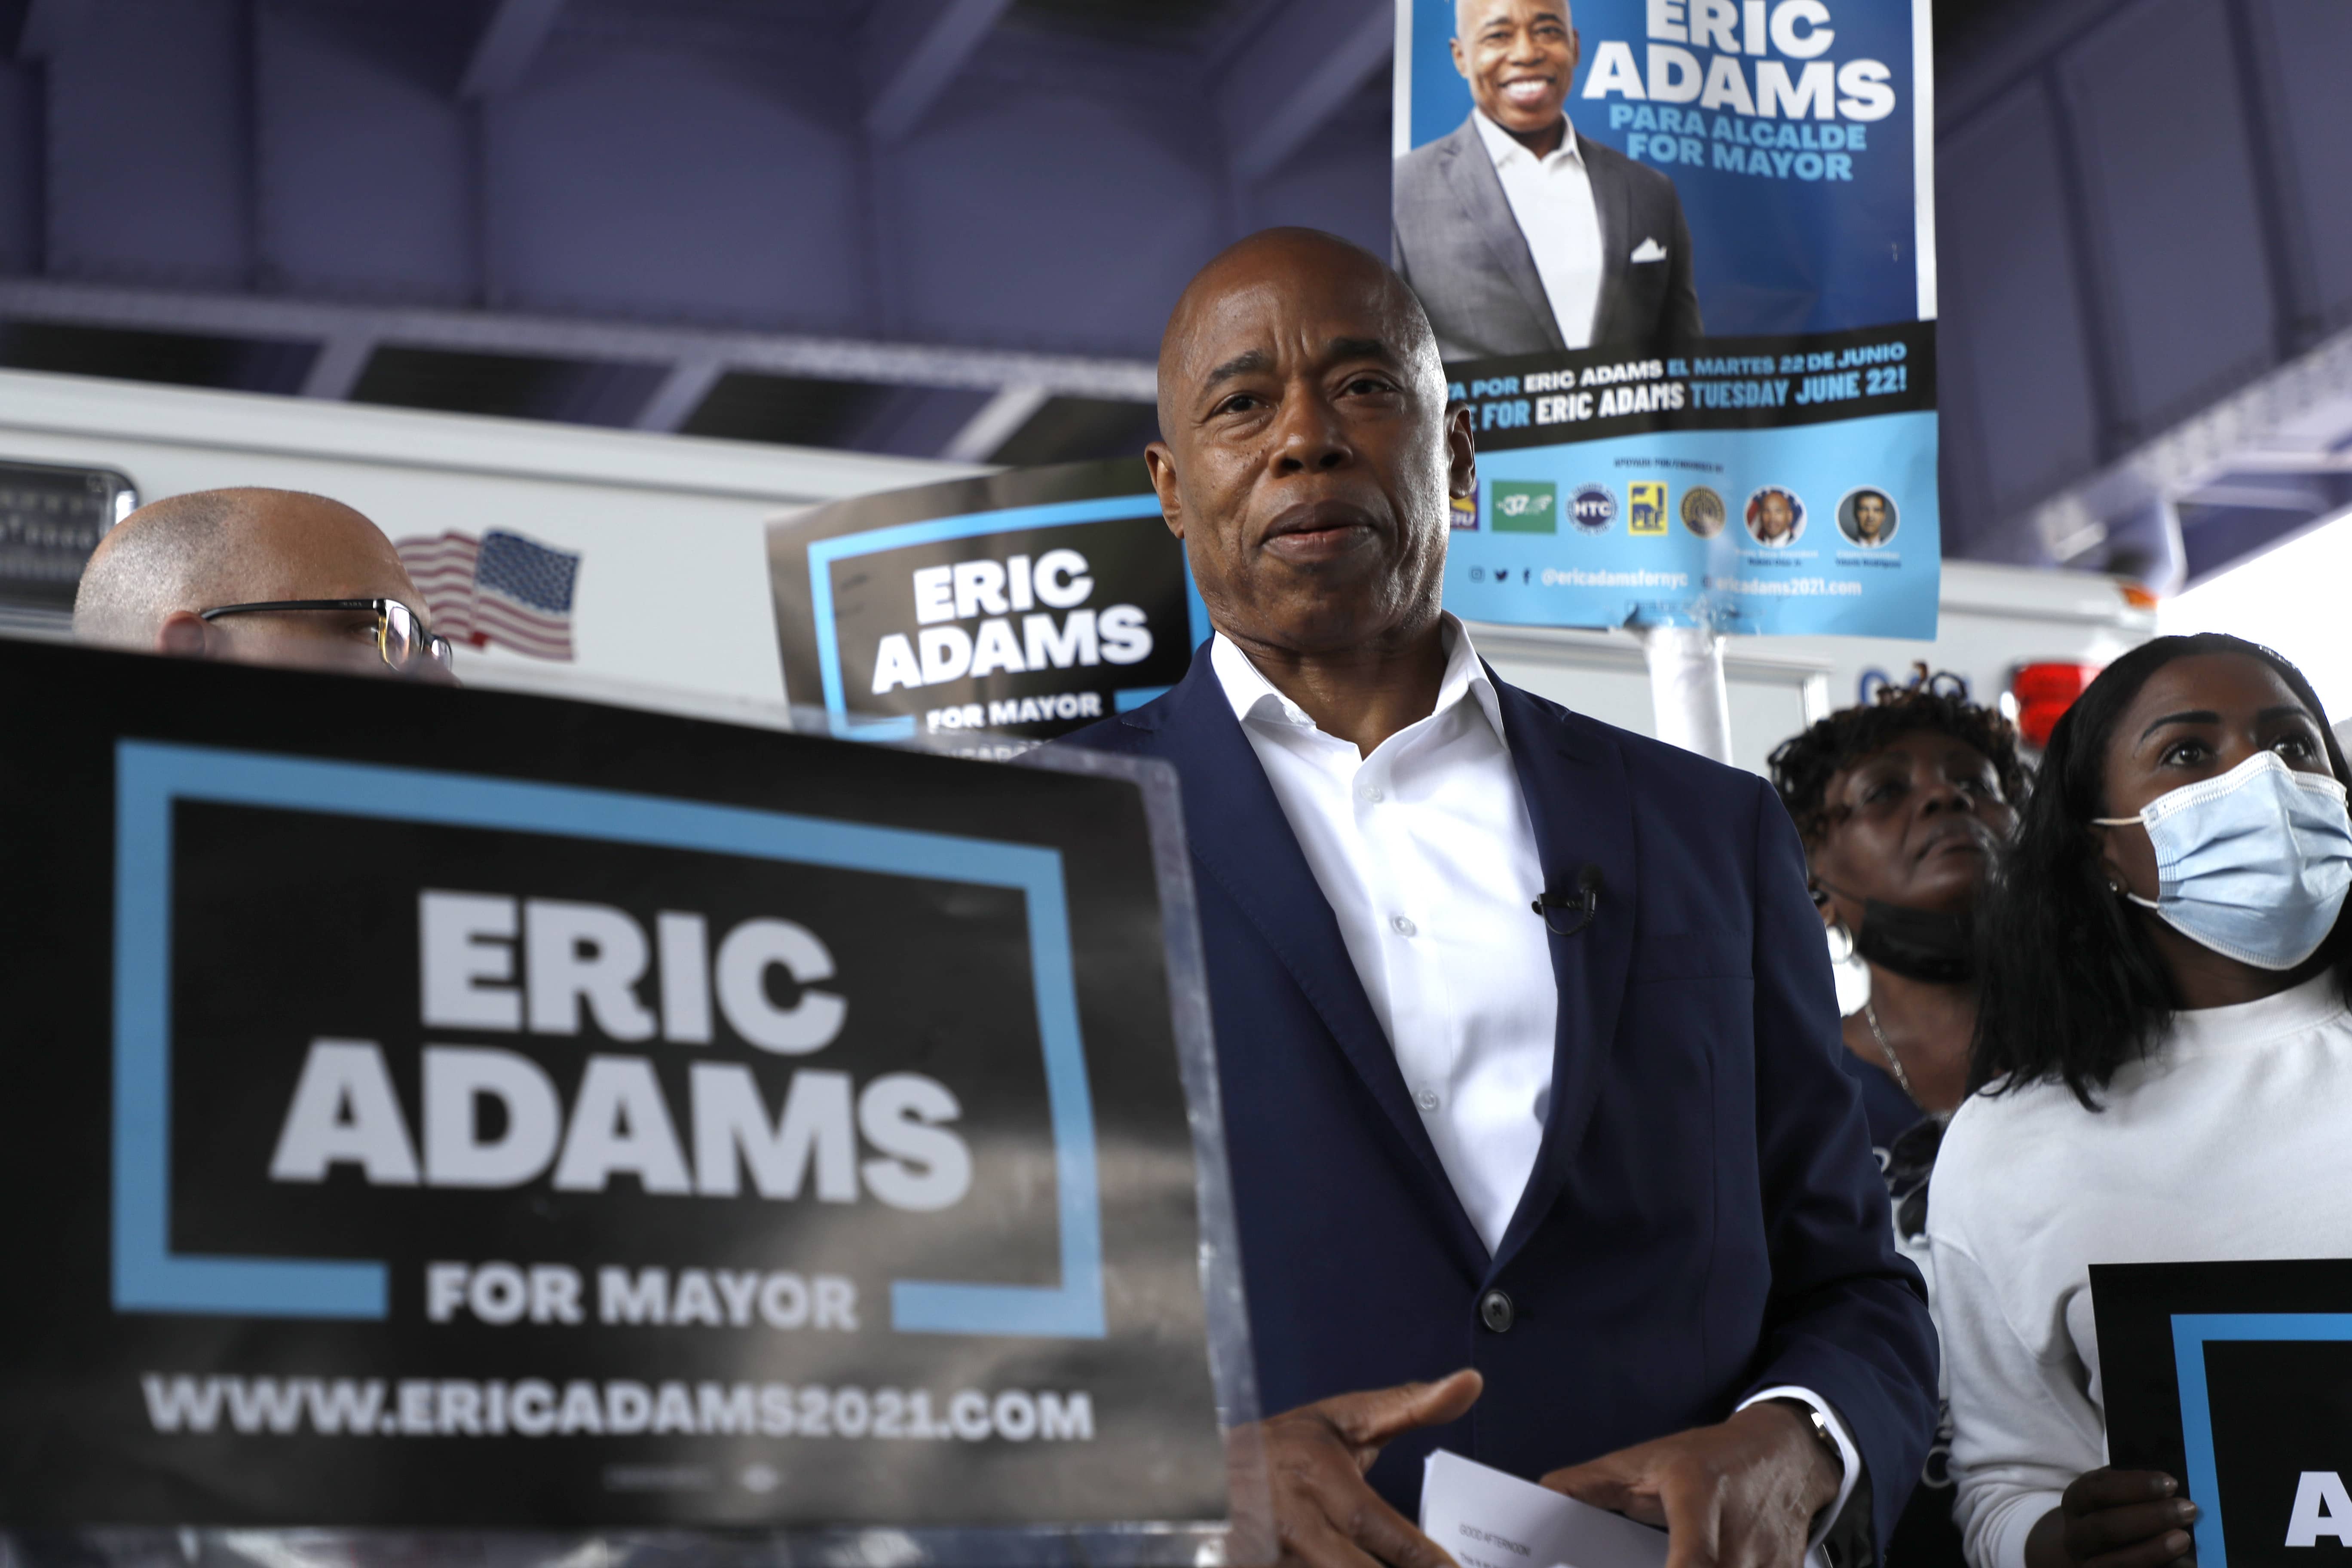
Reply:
x=1427 y=855
x=1425 y=852
x=1552 y=198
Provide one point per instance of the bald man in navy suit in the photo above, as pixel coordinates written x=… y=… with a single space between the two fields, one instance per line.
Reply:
x=1542 y=1151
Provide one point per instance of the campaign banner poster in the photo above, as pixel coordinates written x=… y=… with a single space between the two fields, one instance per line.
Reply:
x=433 y=1109
x=2236 y=1379
x=1679 y=255
x=1030 y=603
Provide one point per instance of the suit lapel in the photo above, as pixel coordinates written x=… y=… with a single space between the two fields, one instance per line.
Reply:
x=1241 y=839
x=1582 y=809
x=1470 y=172
x=1612 y=203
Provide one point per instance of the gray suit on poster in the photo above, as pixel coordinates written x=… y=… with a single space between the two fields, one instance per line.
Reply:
x=1458 y=245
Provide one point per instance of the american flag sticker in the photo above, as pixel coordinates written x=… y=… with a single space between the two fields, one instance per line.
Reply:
x=500 y=588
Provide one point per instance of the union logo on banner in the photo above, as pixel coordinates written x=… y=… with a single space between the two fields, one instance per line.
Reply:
x=500 y=588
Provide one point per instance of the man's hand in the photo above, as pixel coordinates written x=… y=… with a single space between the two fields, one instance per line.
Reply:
x=1325 y=1513
x=2114 y=1519
x=1740 y=1495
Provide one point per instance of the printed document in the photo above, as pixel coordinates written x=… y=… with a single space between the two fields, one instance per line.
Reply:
x=1485 y=1519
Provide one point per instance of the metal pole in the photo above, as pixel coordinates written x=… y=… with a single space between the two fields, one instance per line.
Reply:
x=1687 y=695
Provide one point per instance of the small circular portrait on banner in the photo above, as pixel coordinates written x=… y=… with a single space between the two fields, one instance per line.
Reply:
x=1703 y=511
x=1867 y=518
x=1776 y=517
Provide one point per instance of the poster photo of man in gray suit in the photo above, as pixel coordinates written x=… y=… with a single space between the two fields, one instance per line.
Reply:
x=1521 y=236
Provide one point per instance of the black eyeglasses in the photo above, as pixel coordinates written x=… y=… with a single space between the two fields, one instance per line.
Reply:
x=400 y=634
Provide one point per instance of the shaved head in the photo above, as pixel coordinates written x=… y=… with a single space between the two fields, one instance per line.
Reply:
x=1271 y=254
x=1307 y=452
x=155 y=573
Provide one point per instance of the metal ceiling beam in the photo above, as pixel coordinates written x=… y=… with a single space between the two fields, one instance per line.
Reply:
x=993 y=424
x=915 y=48
x=336 y=370
x=509 y=41
x=2308 y=499
x=2292 y=421
x=1286 y=84
x=775 y=353
x=2267 y=460
x=689 y=381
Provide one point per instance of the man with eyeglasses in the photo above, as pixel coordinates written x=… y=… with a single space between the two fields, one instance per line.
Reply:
x=259 y=577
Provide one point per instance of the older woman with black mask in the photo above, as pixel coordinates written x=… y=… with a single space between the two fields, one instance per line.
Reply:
x=2166 y=1055
x=1903 y=805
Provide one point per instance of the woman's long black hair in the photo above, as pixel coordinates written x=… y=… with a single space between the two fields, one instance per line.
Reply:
x=2070 y=984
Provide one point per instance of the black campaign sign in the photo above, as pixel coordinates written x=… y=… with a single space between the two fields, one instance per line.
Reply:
x=2282 y=1422
x=643 y=1123
x=1030 y=603
x=2236 y=1378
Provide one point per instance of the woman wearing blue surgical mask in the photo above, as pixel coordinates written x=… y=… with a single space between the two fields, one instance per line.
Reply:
x=2166 y=1054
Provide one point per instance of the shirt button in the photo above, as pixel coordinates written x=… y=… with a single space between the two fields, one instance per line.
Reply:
x=1402 y=926
x=1372 y=793
x=1427 y=1100
x=1497 y=1311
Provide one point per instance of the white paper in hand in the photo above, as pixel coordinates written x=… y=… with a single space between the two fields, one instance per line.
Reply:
x=1485 y=1519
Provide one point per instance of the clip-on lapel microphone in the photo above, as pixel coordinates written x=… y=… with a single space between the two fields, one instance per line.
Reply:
x=1581 y=905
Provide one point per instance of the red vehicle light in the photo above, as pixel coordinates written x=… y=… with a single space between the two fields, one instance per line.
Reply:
x=2044 y=692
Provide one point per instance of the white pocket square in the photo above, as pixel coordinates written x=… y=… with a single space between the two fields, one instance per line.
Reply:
x=1648 y=250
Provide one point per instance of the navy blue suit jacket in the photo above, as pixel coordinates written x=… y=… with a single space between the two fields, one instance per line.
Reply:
x=1705 y=1219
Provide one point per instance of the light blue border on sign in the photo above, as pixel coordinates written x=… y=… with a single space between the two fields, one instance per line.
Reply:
x=824 y=552
x=2192 y=1332
x=151 y=776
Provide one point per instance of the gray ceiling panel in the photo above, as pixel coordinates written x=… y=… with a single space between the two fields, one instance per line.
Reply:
x=1084 y=228
x=643 y=184
x=1328 y=184
x=363 y=185
x=2307 y=44
x=149 y=177
x=2175 y=214
x=22 y=144
x=2011 y=329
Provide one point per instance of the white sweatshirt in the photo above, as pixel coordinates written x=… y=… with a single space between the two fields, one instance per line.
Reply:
x=2230 y=1142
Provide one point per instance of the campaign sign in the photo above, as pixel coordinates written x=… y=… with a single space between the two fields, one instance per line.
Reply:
x=2236 y=1379
x=1716 y=341
x=1030 y=603
x=434 y=1108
